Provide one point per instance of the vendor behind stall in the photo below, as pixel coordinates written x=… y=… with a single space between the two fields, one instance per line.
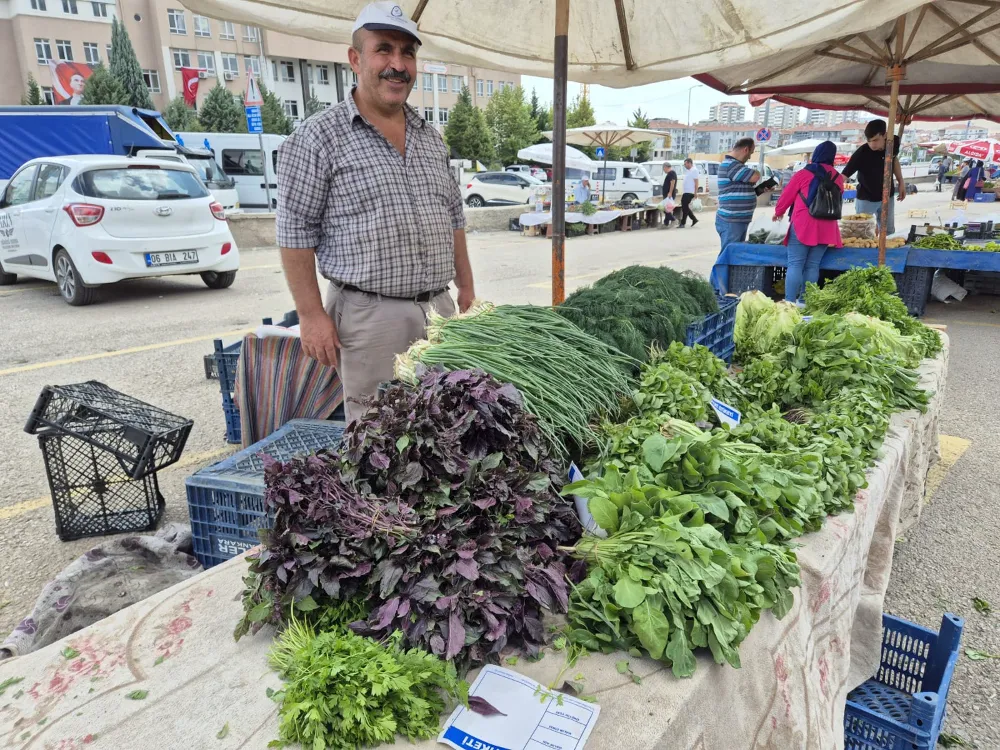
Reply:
x=868 y=164
x=365 y=192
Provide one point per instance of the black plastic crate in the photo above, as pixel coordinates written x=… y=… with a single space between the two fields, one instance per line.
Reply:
x=715 y=330
x=982 y=282
x=143 y=438
x=91 y=494
x=914 y=286
x=763 y=278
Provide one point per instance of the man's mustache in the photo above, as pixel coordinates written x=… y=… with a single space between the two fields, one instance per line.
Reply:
x=395 y=75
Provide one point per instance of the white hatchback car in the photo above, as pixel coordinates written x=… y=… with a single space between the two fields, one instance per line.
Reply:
x=498 y=189
x=83 y=221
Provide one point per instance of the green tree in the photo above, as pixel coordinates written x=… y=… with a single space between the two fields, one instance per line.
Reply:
x=33 y=95
x=580 y=113
x=180 y=117
x=104 y=88
x=542 y=117
x=221 y=112
x=509 y=118
x=638 y=120
x=467 y=134
x=125 y=67
x=313 y=104
x=273 y=113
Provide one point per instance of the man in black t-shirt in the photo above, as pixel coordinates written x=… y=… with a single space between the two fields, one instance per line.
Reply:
x=669 y=191
x=868 y=162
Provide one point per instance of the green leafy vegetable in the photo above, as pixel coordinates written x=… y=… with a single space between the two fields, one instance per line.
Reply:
x=982 y=606
x=223 y=733
x=69 y=653
x=975 y=654
x=137 y=695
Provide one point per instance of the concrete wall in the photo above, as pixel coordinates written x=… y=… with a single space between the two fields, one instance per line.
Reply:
x=257 y=229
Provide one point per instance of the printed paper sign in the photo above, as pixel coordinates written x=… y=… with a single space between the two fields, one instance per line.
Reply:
x=530 y=718
x=726 y=413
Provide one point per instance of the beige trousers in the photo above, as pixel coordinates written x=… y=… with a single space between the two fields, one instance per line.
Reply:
x=372 y=331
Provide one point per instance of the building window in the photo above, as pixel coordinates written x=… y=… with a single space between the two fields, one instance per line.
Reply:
x=47 y=95
x=182 y=58
x=107 y=52
x=443 y=83
x=206 y=62
x=175 y=18
x=230 y=65
x=252 y=64
x=91 y=53
x=100 y=10
x=64 y=49
x=443 y=115
x=228 y=31
x=287 y=70
x=69 y=6
x=38 y=5
x=43 y=51
x=479 y=87
x=323 y=74
x=291 y=109
x=428 y=82
x=489 y=87
x=152 y=79
x=251 y=33
x=202 y=26
x=429 y=114
x=456 y=84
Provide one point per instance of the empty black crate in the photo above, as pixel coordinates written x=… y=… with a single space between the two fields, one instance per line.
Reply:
x=914 y=286
x=91 y=494
x=760 y=278
x=143 y=438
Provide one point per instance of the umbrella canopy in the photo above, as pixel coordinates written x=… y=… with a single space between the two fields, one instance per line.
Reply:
x=607 y=135
x=616 y=43
x=807 y=147
x=542 y=153
x=986 y=150
x=947 y=54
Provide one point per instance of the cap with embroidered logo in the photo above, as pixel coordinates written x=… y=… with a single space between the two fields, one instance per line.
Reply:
x=386 y=17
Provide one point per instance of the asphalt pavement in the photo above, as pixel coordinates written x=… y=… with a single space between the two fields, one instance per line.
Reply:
x=148 y=339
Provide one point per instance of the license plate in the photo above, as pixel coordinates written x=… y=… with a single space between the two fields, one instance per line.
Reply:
x=177 y=258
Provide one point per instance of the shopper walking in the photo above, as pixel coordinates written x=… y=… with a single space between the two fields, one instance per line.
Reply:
x=690 y=188
x=974 y=182
x=943 y=166
x=365 y=192
x=737 y=197
x=958 y=193
x=669 y=193
x=808 y=237
x=868 y=163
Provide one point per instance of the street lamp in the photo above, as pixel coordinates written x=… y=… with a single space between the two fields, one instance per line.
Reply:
x=697 y=85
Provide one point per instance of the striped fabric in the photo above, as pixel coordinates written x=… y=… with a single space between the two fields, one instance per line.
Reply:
x=277 y=382
x=737 y=198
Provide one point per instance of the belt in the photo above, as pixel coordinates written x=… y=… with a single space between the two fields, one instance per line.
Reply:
x=421 y=297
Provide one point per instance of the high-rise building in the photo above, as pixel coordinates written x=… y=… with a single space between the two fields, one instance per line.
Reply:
x=728 y=112
x=819 y=117
x=681 y=138
x=778 y=116
x=167 y=37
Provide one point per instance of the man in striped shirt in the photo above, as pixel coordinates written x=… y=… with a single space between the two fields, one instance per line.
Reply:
x=737 y=199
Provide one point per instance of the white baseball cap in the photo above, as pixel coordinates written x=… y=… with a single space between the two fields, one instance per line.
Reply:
x=385 y=16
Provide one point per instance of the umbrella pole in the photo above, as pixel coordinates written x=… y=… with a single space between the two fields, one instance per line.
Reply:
x=604 y=182
x=561 y=65
x=895 y=75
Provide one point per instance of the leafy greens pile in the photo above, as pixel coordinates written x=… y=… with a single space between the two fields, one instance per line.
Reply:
x=441 y=510
x=639 y=307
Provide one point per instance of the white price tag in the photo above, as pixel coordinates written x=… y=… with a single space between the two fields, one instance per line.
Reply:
x=727 y=414
x=582 y=511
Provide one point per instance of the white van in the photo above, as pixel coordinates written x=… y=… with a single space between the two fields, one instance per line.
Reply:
x=239 y=156
x=622 y=181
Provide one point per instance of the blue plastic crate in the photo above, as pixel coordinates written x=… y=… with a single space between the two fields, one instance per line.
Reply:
x=234 y=431
x=984 y=198
x=226 y=500
x=903 y=705
x=715 y=330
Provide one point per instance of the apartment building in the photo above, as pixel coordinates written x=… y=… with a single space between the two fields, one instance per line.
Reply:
x=167 y=37
x=681 y=138
x=717 y=138
x=777 y=116
x=728 y=112
x=845 y=132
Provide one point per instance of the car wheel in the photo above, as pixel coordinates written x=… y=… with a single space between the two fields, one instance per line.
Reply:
x=71 y=286
x=6 y=279
x=475 y=201
x=628 y=197
x=218 y=279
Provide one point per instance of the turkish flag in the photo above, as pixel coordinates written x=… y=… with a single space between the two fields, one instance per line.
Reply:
x=190 y=78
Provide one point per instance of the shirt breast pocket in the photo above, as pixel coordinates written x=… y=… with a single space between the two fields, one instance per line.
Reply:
x=358 y=190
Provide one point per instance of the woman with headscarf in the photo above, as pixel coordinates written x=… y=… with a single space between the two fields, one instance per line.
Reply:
x=958 y=194
x=808 y=237
x=974 y=182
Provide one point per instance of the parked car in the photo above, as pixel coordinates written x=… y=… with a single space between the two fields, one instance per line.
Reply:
x=498 y=189
x=539 y=172
x=622 y=181
x=905 y=161
x=239 y=157
x=84 y=221
x=222 y=187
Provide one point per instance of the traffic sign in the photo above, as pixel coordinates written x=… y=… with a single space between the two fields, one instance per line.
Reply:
x=763 y=135
x=600 y=152
x=255 y=123
x=252 y=97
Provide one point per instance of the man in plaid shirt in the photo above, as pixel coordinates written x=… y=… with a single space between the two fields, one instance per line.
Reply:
x=365 y=192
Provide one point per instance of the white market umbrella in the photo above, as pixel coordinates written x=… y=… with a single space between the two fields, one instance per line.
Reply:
x=543 y=154
x=807 y=147
x=616 y=43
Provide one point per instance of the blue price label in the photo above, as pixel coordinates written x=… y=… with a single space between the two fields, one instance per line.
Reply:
x=727 y=414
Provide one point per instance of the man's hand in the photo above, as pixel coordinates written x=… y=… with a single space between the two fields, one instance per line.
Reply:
x=466 y=296
x=902 y=193
x=318 y=334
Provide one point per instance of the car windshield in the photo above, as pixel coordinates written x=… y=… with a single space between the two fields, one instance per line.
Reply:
x=531 y=178
x=140 y=184
x=208 y=170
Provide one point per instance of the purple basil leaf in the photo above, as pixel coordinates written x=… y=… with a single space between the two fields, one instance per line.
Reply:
x=467 y=569
x=483 y=707
x=456 y=636
x=437 y=645
x=386 y=613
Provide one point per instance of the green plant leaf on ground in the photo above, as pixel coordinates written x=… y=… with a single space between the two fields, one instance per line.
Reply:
x=976 y=655
x=137 y=695
x=982 y=606
x=159 y=660
x=511 y=661
x=224 y=732
x=69 y=653
x=8 y=682
x=953 y=740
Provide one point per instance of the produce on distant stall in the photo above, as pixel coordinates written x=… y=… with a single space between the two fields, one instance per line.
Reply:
x=938 y=241
x=857 y=227
x=989 y=247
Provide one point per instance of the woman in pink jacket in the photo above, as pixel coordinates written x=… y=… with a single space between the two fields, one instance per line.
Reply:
x=808 y=238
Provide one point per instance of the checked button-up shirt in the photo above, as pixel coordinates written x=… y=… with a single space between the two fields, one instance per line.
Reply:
x=377 y=219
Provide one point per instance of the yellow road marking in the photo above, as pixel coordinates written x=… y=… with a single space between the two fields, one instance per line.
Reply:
x=952 y=449
x=598 y=274
x=120 y=352
x=27 y=506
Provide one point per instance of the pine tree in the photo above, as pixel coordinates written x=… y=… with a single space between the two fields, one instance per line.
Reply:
x=180 y=117
x=580 y=113
x=33 y=96
x=542 y=117
x=509 y=118
x=273 y=113
x=467 y=134
x=125 y=67
x=103 y=88
x=313 y=104
x=221 y=112
x=640 y=120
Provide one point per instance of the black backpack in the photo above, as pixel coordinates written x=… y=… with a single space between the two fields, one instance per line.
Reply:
x=828 y=202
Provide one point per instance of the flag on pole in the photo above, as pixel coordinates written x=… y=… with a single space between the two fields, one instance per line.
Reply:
x=190 y=78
